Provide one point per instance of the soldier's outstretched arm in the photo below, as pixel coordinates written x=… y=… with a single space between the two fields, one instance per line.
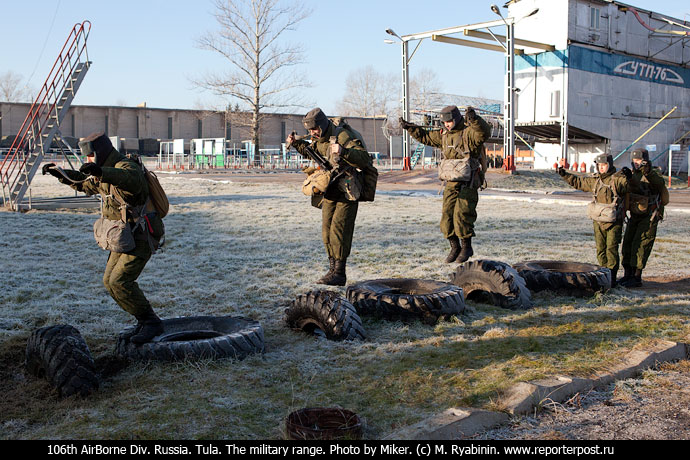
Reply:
x=128 y=177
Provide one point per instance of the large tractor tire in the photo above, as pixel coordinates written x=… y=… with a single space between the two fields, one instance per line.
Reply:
x=325 y=312
x=495 y=282
x=197 y=337
x=60 y=354
x=570 y=278
x=407 y=299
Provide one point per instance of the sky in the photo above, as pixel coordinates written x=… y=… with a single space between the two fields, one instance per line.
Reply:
x=146 y=50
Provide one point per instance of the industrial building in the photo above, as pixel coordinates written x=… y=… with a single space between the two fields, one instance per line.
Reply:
x=615 y=71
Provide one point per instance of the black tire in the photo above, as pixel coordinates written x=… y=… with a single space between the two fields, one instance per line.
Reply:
x=570 y=278
x=407 y=299
x=495 y=282
x=197 y=337
x=325 y=311
x=60 y=354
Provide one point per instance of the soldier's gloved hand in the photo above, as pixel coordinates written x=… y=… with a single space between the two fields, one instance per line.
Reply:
x=405 y=124
x=470 y=115
x=91 y=169
x=561 y=171
x=336 y=151
x=626 y=172
x=48 y=169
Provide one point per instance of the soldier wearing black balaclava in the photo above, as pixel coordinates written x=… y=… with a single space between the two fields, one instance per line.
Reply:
x=110 y=174
x=461 y=140
x=648 y=196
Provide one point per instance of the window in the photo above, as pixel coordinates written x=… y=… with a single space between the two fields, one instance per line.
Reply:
x=170 y=126
x=74 y=128
x=228 y=130
x=137 y=126
x=594 y=14
x=199 y=131
x=106 y=125
x=555 y=104
x=283 y=134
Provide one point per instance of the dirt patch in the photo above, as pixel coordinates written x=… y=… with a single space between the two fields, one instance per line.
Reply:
x=656 y=406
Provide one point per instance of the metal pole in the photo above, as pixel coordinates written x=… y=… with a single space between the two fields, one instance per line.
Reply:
x=405 y=102
x=509 y=110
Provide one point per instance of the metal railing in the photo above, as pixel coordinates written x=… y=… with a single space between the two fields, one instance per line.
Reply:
x=20 y=162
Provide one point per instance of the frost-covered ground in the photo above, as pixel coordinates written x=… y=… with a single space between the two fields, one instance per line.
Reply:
x=249 y=249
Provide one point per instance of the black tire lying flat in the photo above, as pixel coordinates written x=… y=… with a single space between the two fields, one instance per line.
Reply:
x=571 y=278
x=497 y=282
x=325 y=311
x=60 y=354
x=407 y=299
x=198 y=337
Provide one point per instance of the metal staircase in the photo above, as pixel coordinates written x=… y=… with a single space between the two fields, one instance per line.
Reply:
x=418 y=153
x=42 y=123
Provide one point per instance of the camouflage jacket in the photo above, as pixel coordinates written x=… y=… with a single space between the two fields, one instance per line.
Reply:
x=127 y=177
x=459 y=142
x=353 y=153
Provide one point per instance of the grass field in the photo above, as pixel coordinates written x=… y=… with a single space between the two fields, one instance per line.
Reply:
x=250 y=249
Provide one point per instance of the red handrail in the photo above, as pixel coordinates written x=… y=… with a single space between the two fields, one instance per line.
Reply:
x=52 y=88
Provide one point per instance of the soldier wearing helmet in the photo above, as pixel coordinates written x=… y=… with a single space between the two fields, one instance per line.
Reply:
x=462 y=143
x=606 y=210
x=648 y=196
x=338 y=205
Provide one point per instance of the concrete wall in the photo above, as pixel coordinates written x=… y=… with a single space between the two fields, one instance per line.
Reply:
x=153 y=123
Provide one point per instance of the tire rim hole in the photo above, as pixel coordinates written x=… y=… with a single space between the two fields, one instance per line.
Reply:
x=186 y=336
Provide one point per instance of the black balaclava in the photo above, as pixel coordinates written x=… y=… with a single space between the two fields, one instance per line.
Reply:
x=97 y=144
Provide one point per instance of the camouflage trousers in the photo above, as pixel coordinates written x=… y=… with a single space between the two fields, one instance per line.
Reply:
x=459 y=211
x=121 y=273
x=338 y=227
x=638 y=241
x=608 y=239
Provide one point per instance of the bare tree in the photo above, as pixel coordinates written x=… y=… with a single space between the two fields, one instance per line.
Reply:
x=425 y=90
x=251 y=39
x=11 y=89
x=368 y=93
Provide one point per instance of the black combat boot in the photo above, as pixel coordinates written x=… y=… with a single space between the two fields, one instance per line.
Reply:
x=151 y=326
x=338 y=277
x=628 y=272
x=129 y=334
x=614 y=283
x=329 y=273
x=454 y=249
x=635 y=280
x=466 y=251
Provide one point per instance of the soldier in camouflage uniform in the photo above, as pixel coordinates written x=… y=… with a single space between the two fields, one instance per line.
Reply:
x=608 y=186
x=462 y=138
x=339 y=210
x=108 y=172
x=648 y=196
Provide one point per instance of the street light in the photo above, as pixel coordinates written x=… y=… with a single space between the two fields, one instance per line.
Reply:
x=405 y=95
x=509 y=110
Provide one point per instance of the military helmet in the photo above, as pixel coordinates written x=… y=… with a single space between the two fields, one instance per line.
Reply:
x=449 y=113
x=97 y=144
x=641 y=154
x=315 y=118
